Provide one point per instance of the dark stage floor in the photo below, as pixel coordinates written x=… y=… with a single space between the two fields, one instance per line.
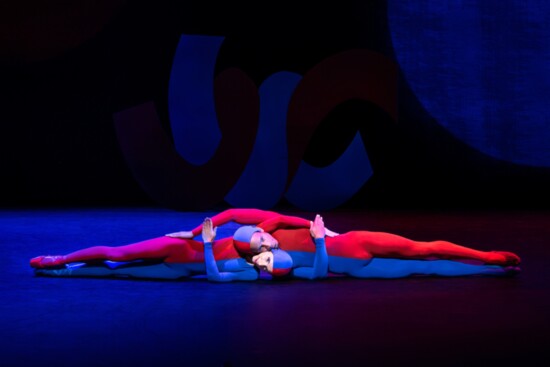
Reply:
x=336 y=322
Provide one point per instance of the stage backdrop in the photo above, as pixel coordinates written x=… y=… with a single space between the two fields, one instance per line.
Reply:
x=205 y=104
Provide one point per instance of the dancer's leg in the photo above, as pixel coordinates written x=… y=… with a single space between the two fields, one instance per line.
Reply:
x=156 y=248
x=398 y=268
x=156 y=271
x=381 y=244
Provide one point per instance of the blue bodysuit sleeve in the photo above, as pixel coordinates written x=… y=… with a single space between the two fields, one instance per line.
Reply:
x=213 y=273
x=320 y=263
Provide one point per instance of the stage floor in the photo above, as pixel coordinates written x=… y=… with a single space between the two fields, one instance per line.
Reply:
x=467 y=321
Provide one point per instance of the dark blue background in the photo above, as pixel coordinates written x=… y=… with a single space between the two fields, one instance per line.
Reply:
x=472 y=126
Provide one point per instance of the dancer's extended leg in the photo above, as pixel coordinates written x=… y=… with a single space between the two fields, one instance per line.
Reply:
x=387 y=245
x=156 y=271
x=156 y=248
x=398 y=268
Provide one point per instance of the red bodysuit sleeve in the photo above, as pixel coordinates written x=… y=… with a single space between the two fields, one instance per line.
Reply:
x=283 y=221
x=241 y=216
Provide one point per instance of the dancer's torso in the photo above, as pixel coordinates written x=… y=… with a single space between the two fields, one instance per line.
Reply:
x=189 y=254
x=346 y=251
x=191 y=251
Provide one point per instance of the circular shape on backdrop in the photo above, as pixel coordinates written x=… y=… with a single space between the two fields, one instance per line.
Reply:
x=481 y=69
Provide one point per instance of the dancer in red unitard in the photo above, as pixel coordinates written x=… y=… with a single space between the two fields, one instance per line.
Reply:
x=170 y=257
x=159 y=258
x=361 y=254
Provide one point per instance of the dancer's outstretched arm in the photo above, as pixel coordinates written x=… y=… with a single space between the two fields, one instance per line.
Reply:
x=267 y=220
x=241 y=216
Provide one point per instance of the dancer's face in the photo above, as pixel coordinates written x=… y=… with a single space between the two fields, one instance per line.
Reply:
x=264 y=261
x=262 y=241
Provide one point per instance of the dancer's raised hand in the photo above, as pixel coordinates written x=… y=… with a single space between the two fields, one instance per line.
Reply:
x=208 y=230
x=317 y=227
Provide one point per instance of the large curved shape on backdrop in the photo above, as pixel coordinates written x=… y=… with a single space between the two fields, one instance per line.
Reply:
x=191 y=107
x=353 y=74
x=262 y=183
x=37 y=31
x=247 y=147
x=324 y=188
x=168 y=178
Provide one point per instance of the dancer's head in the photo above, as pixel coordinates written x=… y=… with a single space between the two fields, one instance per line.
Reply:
x=276 y=262
x=253 y=240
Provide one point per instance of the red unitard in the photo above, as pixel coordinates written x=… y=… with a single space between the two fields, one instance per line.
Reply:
x=293 y=234
x=166 y=249
x=165 y=258
x=348 y=253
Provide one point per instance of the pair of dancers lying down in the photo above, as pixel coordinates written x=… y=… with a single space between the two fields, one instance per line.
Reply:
x=284 y=246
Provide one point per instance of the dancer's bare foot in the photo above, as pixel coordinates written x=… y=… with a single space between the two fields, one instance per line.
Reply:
x=48 y=261
x=503 y=258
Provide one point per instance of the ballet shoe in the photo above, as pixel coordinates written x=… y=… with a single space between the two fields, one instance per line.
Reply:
x=510 y=259
x=49 y=261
